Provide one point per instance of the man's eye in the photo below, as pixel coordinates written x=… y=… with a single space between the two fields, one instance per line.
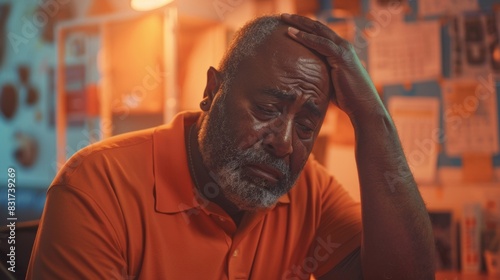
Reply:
x=267 y=109
x=305 y=131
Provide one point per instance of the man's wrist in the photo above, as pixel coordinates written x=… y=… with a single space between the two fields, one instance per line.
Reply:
x=369 y=115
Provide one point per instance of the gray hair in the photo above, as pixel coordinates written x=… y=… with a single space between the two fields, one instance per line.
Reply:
x=245 y=44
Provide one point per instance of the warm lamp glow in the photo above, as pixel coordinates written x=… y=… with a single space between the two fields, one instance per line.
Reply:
x=146 y=5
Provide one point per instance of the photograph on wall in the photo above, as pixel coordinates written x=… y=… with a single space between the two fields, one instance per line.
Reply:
x=474 y=45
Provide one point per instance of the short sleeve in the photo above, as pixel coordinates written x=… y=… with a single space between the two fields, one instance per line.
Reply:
x=75 y=239
x=339 y=230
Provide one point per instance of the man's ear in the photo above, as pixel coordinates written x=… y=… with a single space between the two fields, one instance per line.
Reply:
x=214 y=81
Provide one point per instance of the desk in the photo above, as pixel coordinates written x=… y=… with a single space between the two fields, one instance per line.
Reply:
x=463 y=276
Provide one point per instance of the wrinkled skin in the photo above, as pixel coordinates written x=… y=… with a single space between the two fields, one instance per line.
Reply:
x=275 y=112
x=313 y=60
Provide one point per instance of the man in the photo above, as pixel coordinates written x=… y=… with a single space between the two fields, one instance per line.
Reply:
x=229 y=193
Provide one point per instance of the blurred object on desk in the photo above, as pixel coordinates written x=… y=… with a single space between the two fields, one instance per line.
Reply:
x=492 y=260
x=471 y=238
x=445 y=275
x=444 y=228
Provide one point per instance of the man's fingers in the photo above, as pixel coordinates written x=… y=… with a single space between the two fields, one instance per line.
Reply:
x=320 y=44
x=302 y=23
x=311 y=26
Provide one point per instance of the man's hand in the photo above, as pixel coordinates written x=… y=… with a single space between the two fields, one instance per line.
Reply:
x=355 y=93
x=397 y=240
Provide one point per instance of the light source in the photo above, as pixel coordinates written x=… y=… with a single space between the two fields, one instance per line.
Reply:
x=146 y=5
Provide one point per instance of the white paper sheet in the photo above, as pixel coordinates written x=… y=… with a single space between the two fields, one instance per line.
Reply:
x=404 y=53
x=417 y=122
x=440 y=7
x=384 y=11
x=470 y=116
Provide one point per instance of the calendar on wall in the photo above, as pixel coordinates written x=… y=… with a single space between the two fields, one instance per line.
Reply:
x=417 y=121
x=470 y=117
x=405 y=52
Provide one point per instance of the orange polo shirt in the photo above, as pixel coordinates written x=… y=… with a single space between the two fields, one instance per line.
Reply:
x=126 y=208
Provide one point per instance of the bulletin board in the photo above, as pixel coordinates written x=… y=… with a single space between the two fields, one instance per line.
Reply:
x=439 y=62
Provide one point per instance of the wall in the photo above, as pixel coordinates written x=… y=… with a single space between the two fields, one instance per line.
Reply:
x=471 y=176
x=24 y=45
x=373 y=23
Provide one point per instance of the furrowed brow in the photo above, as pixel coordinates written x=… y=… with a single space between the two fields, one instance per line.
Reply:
x=283 y=95
x=311 y=106
x=288 y=96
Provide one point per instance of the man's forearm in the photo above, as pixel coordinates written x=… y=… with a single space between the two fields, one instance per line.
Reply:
x=397 y=235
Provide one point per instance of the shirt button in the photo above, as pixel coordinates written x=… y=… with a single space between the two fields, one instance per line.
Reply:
x=236 y=252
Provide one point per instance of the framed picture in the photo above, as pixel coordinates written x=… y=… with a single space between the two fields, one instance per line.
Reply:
x=445 y=232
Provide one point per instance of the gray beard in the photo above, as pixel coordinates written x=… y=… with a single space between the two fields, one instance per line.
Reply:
x=225 y=160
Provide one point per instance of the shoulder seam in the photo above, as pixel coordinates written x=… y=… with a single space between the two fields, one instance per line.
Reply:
x=93 y=152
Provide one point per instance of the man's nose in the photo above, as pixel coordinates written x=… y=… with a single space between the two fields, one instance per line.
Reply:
x=279 y=140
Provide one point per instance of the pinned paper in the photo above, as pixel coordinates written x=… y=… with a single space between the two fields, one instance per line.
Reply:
x=417 y=122
x=470 y=116
x=400 y=53
x=433 y=7
x=474 y=45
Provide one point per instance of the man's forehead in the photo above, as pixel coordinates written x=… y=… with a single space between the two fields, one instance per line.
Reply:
x=308 y=64
x=280 y=45
x=286 y=64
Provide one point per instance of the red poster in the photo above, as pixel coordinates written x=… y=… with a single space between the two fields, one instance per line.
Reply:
x=76 y=102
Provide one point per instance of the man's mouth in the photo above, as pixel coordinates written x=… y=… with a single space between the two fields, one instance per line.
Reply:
x=265 y=172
